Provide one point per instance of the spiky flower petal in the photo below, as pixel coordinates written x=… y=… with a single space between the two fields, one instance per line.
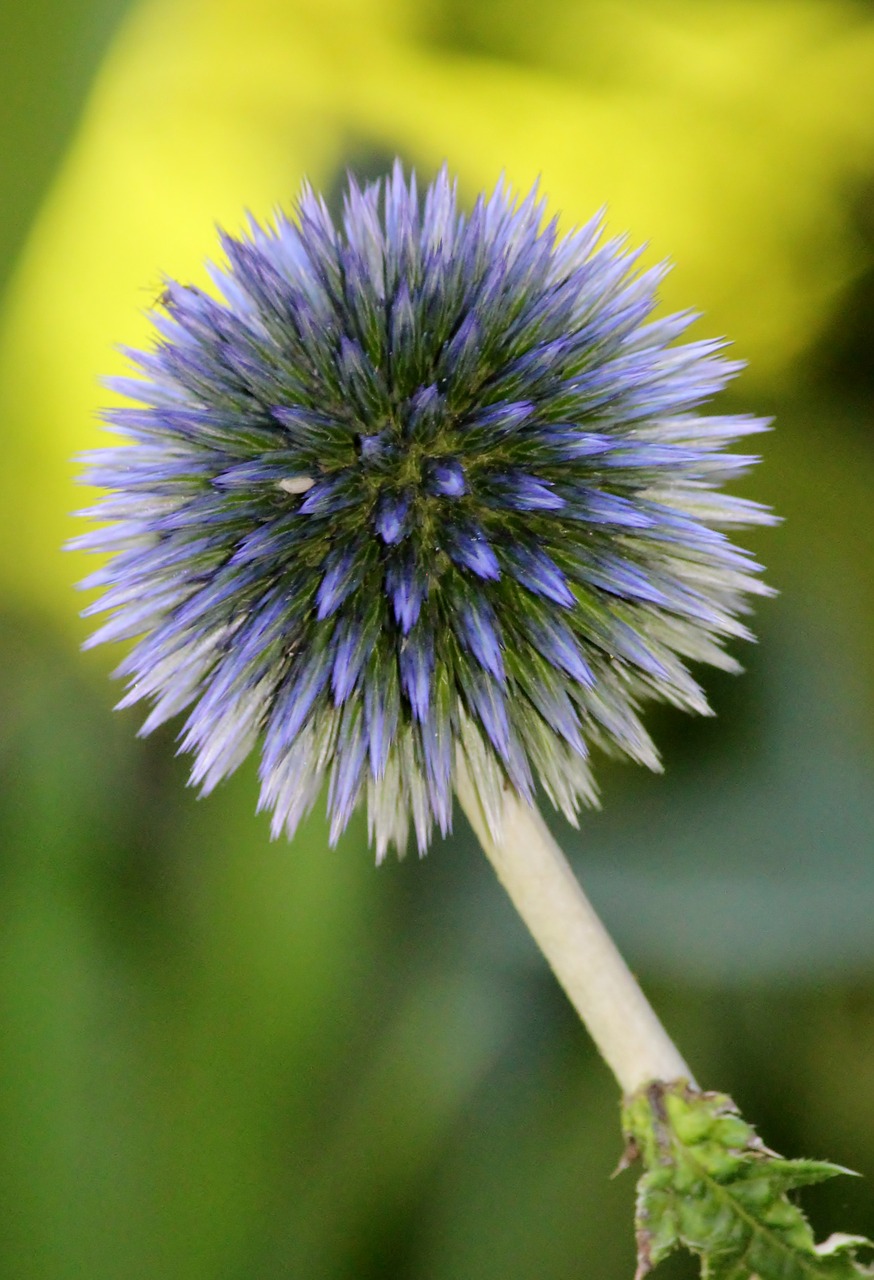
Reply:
x=423 y=489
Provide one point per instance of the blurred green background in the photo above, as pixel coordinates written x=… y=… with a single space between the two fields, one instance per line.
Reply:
x=231 y=1059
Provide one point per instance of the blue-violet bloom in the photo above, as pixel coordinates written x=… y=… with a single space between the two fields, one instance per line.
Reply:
x=426 y=491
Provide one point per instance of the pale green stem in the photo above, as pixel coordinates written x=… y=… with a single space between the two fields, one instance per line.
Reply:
x=583 y=956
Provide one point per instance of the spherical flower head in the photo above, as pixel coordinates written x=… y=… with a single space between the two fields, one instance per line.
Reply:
x=423 y=492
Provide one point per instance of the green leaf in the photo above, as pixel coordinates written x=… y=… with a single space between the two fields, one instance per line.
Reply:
x=711 y=1186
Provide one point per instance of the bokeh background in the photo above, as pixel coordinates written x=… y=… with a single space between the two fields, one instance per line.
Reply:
x=226 y=1059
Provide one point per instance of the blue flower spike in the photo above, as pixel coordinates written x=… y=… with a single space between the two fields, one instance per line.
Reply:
x=420 y=492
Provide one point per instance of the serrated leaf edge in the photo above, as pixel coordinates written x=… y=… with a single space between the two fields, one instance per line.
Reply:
x=754 y=1152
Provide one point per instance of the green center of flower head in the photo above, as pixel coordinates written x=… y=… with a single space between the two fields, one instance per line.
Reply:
x=409 y=476
x=424 y=488
x=408 y=483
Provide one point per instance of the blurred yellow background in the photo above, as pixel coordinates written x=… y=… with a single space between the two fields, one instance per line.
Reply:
x=226 y=1058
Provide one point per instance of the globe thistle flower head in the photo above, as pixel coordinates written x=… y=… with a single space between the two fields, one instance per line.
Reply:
x=423 y=491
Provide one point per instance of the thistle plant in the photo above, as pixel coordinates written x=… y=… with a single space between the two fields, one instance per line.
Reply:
x=423 y=506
